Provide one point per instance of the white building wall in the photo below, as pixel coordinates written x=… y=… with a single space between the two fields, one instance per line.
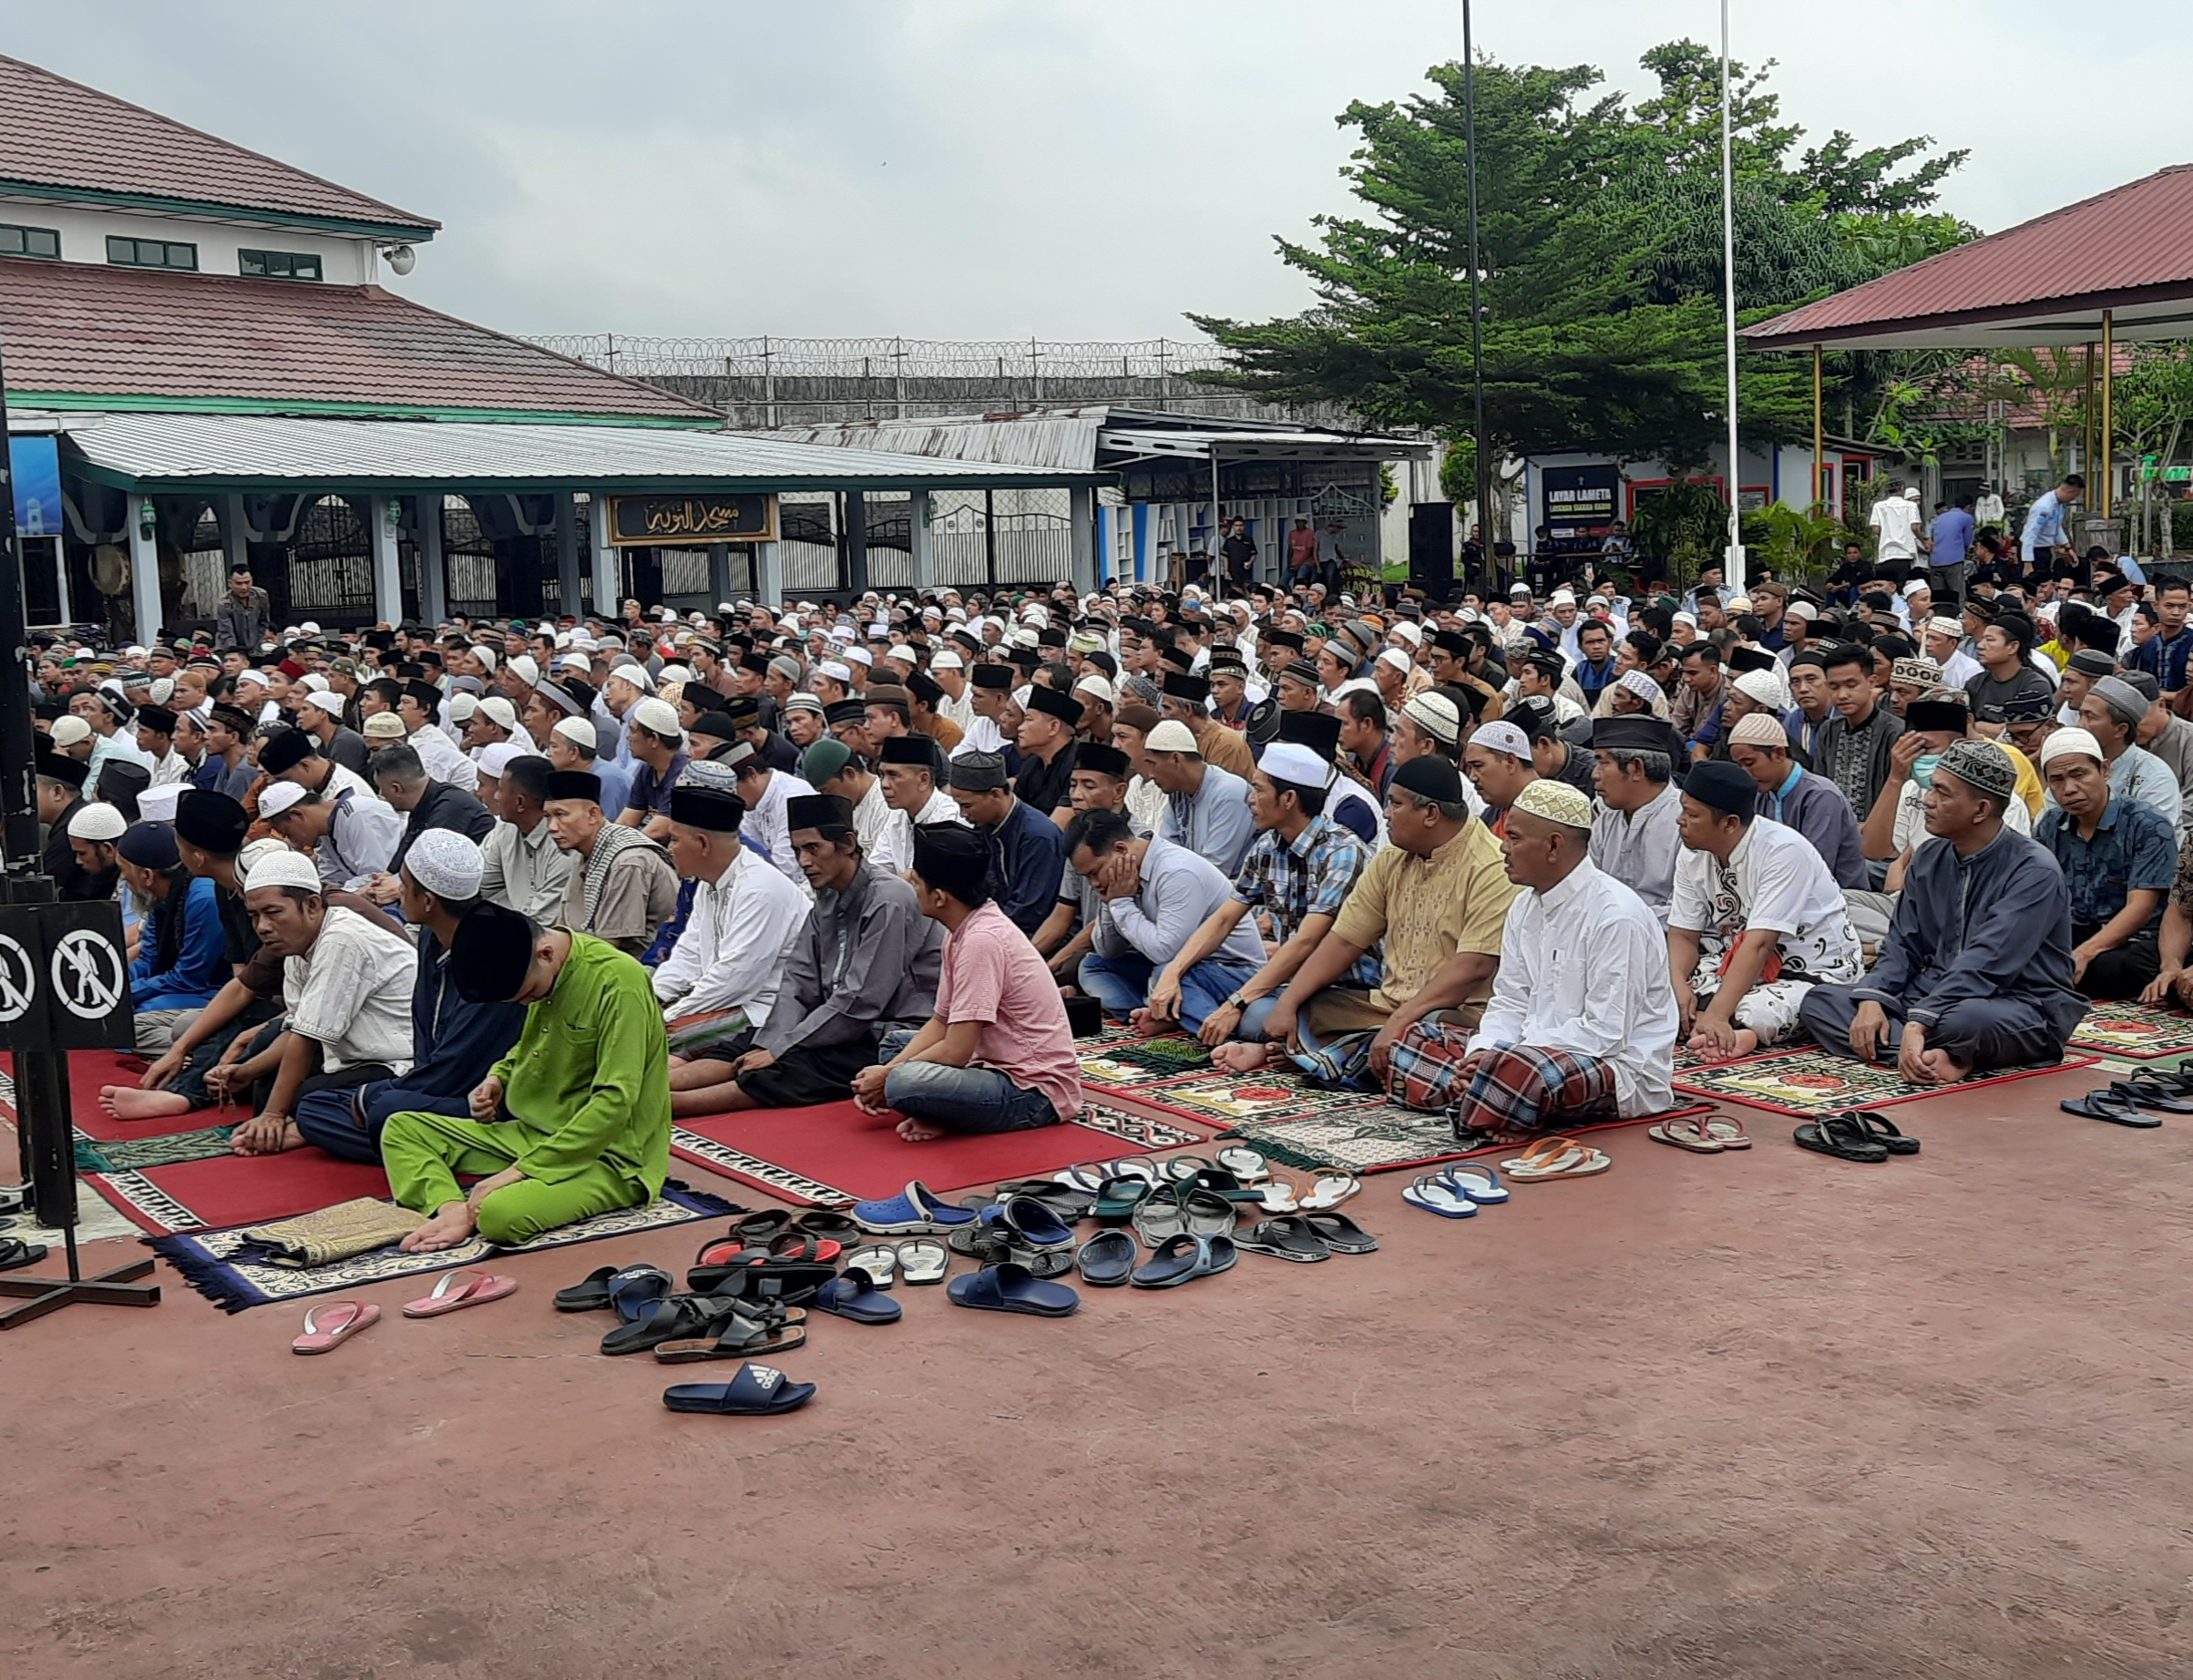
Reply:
x=84 y=232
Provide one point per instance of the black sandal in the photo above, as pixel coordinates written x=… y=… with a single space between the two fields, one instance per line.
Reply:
x=2147 y=1093
x=16 y=1253
x=1880 y=1129
x=676 y=1318
x=1841 y=1136
x=747 y=1329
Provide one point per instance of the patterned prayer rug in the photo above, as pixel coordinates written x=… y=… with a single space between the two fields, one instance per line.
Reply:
x=135 y=1154
x=207 y=1258
x=1126 y=1064
x=1805 y=1082
x=2135 y=1030
x=832 y=1155
x=1388 y=1138
x=1229 y=1099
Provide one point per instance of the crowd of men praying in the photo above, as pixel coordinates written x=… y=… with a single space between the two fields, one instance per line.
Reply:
x=495 y=901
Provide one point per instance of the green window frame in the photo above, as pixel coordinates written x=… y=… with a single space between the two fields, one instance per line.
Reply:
x=278 y=265
x=151 y=253
x=21 y=241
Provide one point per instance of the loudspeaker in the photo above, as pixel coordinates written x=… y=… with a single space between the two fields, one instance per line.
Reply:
x=1431 y=547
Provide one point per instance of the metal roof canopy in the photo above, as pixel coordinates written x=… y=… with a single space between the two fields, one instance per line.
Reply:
x=1277 y=446
x=2121 y=260
x=156 y=452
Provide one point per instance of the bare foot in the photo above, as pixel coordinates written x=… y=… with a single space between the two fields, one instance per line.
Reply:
x=265 y=1135
x=914 y=1131
x=1940 y=1070
x=128 y=1102
x=453 y=1223
x=1744 y=1042
x=1239 y=1058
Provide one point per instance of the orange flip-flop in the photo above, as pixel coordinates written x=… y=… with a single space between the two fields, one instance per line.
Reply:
x=332 y=1323
x=457 y=1290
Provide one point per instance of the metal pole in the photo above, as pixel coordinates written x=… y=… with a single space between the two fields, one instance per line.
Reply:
x=1733 y=569
x=1477 y=342
x=2086 y=421
x=2108 y=377
x=1819 y=453
x=1214 y=561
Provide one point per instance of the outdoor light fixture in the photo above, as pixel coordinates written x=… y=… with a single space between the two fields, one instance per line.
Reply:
x=400 y=257
x=147 y=521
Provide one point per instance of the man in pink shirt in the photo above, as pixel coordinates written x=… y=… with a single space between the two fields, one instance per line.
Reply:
x=998 y=1055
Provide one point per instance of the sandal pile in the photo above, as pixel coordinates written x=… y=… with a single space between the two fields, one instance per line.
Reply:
x=2126 y=1103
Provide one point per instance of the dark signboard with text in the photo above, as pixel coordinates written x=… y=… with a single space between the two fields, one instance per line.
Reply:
x=1577 y=498
x=684 y=519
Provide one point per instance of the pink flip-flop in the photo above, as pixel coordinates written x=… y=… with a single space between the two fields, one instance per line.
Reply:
x=332 y=1323
x=460 y=1289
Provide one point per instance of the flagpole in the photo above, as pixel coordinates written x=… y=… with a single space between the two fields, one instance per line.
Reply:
x=1733 y=569
x=1477 y=361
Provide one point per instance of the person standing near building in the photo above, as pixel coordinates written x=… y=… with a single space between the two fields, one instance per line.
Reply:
x=2044 y=540
x=244 y=617
x=1895 y=522
x=1952 y=536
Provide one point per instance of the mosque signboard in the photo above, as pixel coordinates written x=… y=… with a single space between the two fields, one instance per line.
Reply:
x=684 y=520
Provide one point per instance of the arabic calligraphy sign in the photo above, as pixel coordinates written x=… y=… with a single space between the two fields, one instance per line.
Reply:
x=692 y=518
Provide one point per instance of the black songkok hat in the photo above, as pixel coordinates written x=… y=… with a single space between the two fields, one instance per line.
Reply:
x=212 y=821
x=491 y=954
x=574 y=784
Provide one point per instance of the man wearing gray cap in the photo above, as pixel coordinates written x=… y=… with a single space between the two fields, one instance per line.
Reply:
x=1976 y=971
x=2112 y=713
x=454 y=1040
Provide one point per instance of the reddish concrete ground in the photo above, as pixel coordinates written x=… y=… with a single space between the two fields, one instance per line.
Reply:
x=1751 y=1415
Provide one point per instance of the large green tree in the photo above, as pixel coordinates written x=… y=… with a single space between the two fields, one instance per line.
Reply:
x=1599 y=239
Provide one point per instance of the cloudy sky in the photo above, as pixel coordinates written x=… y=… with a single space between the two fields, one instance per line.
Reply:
x=996 y=168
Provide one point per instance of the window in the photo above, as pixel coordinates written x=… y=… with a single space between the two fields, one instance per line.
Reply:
x=28 y=241
x=277 y=265
x=151 y=253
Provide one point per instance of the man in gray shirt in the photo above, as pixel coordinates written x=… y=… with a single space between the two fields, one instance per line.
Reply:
x=1634 y=836
x=1153 y=896
x=244 y=617
x=1207 y=808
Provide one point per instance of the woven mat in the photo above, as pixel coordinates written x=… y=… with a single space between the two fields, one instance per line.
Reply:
x=1233 y=1099
x=208 y=1263
x=135 y=1154
x=1126 y=1065
x=2135 y=1030
x=1388 y=1138
x=1805 y=1082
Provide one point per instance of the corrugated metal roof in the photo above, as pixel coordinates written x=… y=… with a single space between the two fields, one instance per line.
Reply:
x=59 y=134
x=1078 y=439
x=251 y=451
x=208 y=340
x=2131 y=247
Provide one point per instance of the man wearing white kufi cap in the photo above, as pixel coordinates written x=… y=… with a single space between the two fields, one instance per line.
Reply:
x=1582 y=1021
x=351 y=836
x=454 y=1041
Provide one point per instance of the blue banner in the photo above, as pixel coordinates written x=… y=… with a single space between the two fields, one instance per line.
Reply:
x=35 y=462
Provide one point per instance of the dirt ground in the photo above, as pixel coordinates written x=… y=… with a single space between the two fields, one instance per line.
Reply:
x=1749 y=1415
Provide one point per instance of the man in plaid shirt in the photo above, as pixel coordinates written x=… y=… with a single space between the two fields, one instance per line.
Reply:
x=1298 y=868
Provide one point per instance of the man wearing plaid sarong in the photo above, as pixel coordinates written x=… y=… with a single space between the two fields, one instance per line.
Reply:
x=1581 y=1024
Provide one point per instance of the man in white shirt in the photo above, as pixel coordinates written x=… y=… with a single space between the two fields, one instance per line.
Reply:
x=720 y=978
x=1895 y=522
x=1756 y=919
x=766 y=792
x=418 y=707
x=1582 y=1021
x=907 y=771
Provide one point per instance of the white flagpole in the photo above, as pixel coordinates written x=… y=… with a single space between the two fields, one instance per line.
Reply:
x=1733 y=570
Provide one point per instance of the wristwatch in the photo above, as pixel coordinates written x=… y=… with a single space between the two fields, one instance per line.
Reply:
x=1237 y=1002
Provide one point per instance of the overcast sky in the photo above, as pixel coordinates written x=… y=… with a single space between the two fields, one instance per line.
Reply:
x=996 y=168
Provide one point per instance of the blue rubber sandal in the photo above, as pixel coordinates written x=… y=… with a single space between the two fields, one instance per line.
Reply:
x=1437 y=1195
x=1010 y=1288
x=637 y=1288
x=756 y=1392
x=1181 y=1258
x=852 y=1295
x=1107 y=1258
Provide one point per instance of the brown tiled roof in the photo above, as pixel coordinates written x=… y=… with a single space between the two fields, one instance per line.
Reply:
x=210 y=341
x=59 y=134
x=2133 y=242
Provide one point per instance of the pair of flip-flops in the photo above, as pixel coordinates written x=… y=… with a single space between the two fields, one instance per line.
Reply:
x=1855 y=1134
x=718 y=1258
x=1457 y=1190
x=1305 y=1238
x=329 y=1323
x=758 y=1391
x=823 y=1225
x=1556 y=1157
x=1702 y=1134
x=2128 y=1102
x=918 y=1260
x=16 y=1253
x=1182 y=1210
x=1010 y=1288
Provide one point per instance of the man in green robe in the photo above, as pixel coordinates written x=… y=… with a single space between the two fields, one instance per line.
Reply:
x=574 y=1121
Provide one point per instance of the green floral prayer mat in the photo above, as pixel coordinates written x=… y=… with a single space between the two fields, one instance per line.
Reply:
x=1805 y=1082
x=1125 y=1063
x=135 y=1154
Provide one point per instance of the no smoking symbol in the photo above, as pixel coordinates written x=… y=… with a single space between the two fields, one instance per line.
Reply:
x=87 y=974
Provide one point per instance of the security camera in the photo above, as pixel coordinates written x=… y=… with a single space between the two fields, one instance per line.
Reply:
x=400 y=258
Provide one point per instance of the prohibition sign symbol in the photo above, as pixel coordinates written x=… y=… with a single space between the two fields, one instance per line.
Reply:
x=18 y=980
x=87 y=974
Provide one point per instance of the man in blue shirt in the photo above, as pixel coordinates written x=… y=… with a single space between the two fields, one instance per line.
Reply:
x=2119 y=861
x=2163 y=655
x=2044 y=541
x=1026 y=852
x=1950 y=539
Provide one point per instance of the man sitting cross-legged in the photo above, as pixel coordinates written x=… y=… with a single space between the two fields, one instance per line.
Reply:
x=2118 y=862
x=998 y=1055
x=1299 y=871
x=1152 y=898
x=621 y=888
x=454 y=1040
x=1976 y=971
x=865 y=964
x=346 y=980
x=574 y=1121
x=1431 y=904
x=1756 y=919
x=1582 y=1021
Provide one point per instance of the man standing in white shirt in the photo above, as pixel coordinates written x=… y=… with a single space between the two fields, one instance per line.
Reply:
x=1581 y=1022
x=1756 y=919
x=1895 y=522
